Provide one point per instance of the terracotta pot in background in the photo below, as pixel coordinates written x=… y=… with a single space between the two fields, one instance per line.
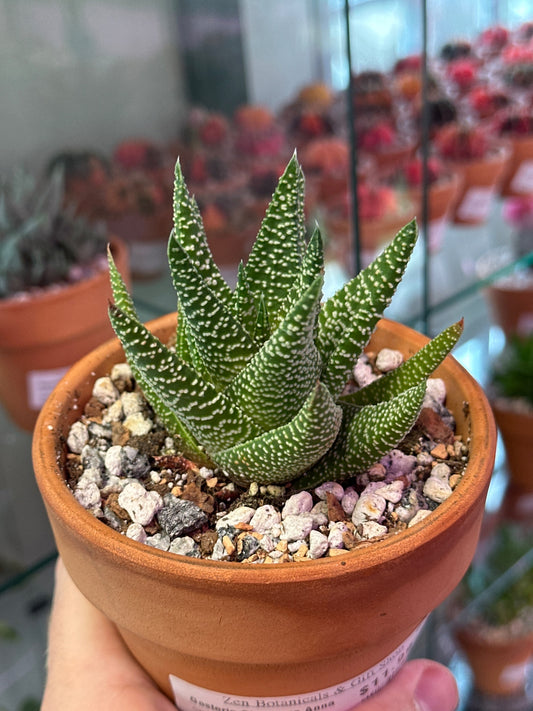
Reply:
x=481 y=182
x=373 y=236
x=442 y=199
x=516 y=429
x=511 y=305
x=499 y=664
x=518 y=178
x=43 y=335
x=146 y=237
x=266 y=630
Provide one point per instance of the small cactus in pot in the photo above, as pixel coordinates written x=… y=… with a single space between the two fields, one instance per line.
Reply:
x=255 y=380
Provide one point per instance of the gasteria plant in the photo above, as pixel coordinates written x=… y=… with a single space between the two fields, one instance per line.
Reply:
x=255 y=379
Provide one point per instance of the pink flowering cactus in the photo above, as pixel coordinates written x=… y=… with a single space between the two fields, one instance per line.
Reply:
x=518 y=211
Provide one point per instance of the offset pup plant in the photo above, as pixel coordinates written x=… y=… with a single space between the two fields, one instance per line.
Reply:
x=254 y=382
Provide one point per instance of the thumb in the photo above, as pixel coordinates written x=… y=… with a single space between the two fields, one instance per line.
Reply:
x=420 y=685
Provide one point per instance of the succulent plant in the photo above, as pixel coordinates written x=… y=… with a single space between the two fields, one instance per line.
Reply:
x=513 y=375
x=41 y=240
x=254 y=382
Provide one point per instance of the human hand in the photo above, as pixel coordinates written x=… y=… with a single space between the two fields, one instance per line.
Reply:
x=89 y=668
x=420 y=685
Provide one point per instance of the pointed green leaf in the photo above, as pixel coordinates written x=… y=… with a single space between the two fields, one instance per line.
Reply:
x=348 y=318
x=206 y=413
x=416 y=368
x=312 y=267
x=281 y=454
x=366 y=436
x=243 y=303
x=276 y=257
x=262 y=325
x=274 y=385
x=221 y=342
x=189 y=232
x=121 y=295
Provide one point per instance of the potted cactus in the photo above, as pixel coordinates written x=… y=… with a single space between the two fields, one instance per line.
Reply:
x=53 y=290
x=512 y=405
x=493 y=615
x=481 y=159
x=249 y=398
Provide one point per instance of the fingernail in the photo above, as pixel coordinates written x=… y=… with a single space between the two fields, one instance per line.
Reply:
x=428 y=691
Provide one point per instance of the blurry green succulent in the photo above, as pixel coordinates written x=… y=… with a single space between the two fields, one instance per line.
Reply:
x=254 y=383
x=513 y=374
x=41 y=240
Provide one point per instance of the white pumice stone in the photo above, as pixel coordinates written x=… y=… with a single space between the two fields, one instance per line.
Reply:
x=371 y=529
x=349 y=500
x=319 y=514
x=121 y=371
x=114 y=485
x=78 y=437
x=161 y=541
x=136 y=532
x=318 y=544
x=297 y=504
x=131 y=403
x=436 y=390
x=293 y=546
x=137 y=424
x=331 y=487
x=104 y=391
x=242 y=514
x=92 y=474
x=392 y=492
x=265 y=518
x=267 y=543
x=335 y=539
x=140 y=504
x=87 y=493
x=388 y=359
x=296 y=527
x=362 y=373
x=370 y=507
x=219 y=552
x=206 y=473
x=437 y=489
x=185 y=545
x=418 y=517
x=441 y=471
x=114 y=413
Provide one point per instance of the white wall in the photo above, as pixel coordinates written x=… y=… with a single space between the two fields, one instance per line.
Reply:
x=85 y=74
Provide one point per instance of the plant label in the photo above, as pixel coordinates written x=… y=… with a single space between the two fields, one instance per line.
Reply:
x=341 y=697
x=40 y=383
x=522 y=181
x=476 y=204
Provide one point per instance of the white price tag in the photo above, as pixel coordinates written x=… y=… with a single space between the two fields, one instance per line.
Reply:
x=522 y=181
x=40 y=384
x=340 y=697
x=476 y=204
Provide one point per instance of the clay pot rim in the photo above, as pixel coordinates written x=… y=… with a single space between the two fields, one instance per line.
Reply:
x=497 y=156
x=134 y=555
x=51 y=294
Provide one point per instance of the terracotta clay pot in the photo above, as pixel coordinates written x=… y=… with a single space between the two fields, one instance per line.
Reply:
x=481 y=183
x=518 y=178
x=516 y=429
x=511 y=305
x=442 y=198
x=373 y=235
x=499 y=664
x=43 y=335
x=146 y=237
x=266 y=630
